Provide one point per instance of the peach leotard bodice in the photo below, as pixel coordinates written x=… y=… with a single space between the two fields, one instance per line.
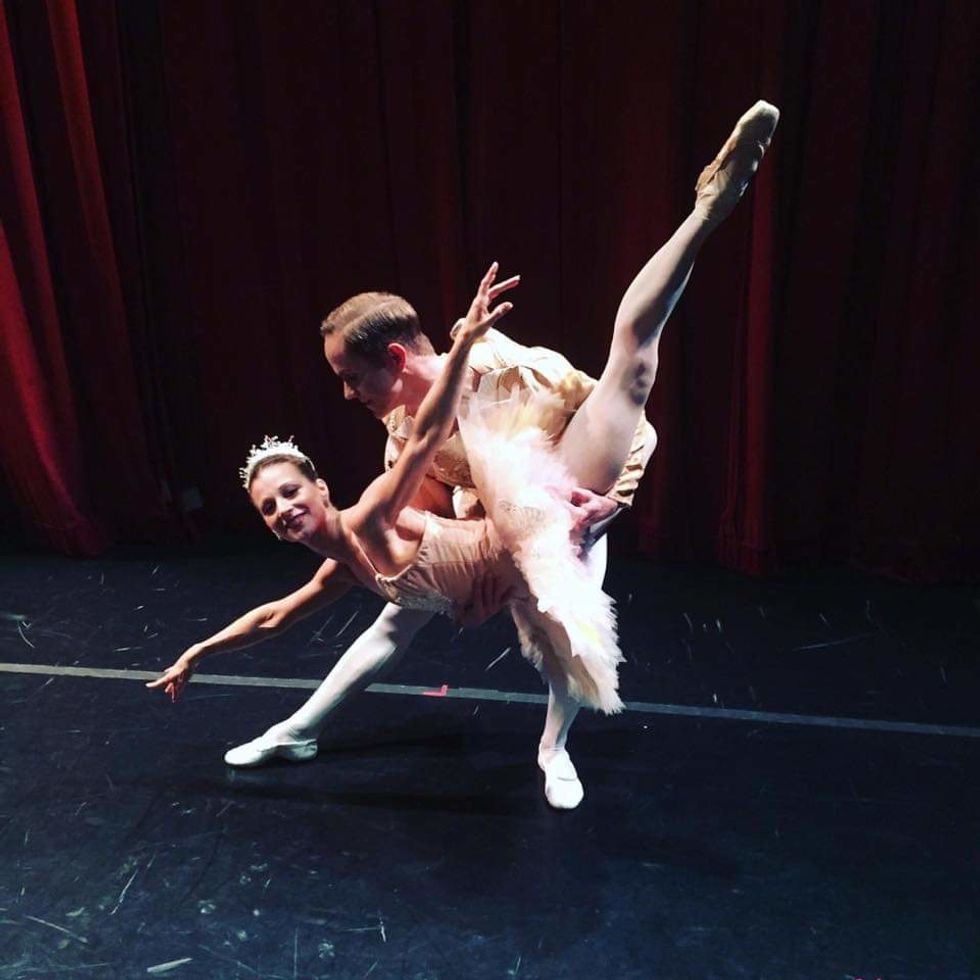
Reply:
x=451 y=555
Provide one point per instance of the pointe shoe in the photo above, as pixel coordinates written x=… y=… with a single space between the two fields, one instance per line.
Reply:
x=562 y=788
x=724 y=180
x=262 y=749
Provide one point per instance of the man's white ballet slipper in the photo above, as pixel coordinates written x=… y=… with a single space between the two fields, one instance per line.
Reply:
x=261 y=750
x=562 y=787
x=724 y=180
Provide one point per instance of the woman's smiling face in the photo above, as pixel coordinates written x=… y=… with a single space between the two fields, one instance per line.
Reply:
x=292 y=505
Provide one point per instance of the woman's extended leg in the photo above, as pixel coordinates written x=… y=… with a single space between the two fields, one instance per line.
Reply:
x=596 y=443
x=378 y=648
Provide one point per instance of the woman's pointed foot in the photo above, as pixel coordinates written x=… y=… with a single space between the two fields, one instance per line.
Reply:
x=724 y=180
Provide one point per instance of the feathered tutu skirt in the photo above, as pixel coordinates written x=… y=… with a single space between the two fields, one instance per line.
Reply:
x=568 y=624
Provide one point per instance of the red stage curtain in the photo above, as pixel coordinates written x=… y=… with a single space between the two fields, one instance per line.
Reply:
x=75 y=451
x=188 y=187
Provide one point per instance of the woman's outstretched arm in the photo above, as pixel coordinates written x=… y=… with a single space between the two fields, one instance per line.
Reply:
x=385 y=498
x=330 y=582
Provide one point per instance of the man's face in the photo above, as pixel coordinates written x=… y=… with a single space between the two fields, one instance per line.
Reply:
x=376 y=386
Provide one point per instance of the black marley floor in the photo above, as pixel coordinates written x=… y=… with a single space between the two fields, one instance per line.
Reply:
x=751 y=815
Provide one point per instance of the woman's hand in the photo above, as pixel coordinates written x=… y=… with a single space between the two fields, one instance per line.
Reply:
x=480 y=317
x=175 y=677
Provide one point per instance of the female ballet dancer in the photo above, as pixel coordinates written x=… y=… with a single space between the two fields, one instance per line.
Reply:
x=417 y=559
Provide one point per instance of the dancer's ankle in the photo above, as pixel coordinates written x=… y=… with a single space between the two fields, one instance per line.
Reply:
x=284 y=732
x=704 y=218
x=547 y=751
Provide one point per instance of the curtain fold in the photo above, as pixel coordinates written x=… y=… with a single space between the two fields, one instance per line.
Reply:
x=41 y=452
x=72 y=296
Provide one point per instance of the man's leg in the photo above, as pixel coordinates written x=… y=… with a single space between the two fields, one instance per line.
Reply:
x=562 y=787
x=378 y=648
x=596 y=443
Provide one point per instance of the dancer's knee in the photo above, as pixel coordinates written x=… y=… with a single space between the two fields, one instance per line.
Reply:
x=397 y=625
x=640 y=379
x=633 y=362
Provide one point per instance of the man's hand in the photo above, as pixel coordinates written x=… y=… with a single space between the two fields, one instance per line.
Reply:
x=174 y=678
x=589 y=511
x=489 y=596
x=480 y=317
x=467 y=505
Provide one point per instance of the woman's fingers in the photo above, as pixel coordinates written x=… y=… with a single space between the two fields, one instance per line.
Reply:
x=497 y=312
x=488 y=277
x=172 y=681
x=480 y=316
x=175 y=687
x=502 y=287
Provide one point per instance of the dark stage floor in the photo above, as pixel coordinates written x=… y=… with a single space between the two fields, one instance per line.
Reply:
x=751 y=815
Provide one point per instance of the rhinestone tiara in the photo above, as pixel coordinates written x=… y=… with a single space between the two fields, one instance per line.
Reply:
x=271 y=446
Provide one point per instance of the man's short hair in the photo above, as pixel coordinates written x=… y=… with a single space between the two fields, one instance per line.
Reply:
x=368 y=322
